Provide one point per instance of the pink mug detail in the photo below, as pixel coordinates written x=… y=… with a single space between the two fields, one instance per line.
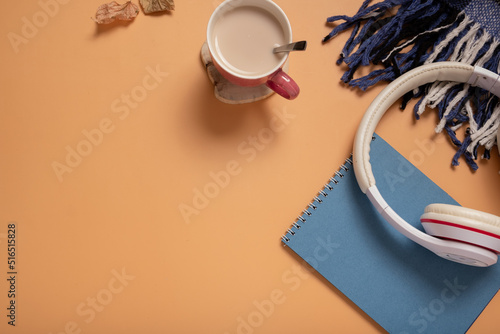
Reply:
x=241 y=35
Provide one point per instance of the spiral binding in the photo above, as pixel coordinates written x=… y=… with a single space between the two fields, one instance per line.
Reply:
x=318 y=199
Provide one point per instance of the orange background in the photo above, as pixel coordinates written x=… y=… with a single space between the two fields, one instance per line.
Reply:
x=117 y=212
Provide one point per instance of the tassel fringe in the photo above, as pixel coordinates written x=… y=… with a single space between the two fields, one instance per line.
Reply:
x=403 y=34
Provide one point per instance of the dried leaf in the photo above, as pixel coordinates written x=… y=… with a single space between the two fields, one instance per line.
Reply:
x=152 y=6
x=112 y=11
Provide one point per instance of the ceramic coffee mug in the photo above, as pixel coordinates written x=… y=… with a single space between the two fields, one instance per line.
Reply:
x=241 y=36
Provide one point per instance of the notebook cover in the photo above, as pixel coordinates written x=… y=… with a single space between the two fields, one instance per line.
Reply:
x=402 y=286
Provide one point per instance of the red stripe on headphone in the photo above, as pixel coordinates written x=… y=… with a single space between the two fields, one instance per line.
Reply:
x=434 y=221
x=470 y=243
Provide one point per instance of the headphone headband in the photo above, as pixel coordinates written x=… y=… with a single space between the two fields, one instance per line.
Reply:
x=443 y=71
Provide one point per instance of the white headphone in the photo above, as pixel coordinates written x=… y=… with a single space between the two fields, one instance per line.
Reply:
x=455 y=233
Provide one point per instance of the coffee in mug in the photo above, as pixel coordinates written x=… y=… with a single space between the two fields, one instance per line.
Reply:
x=241 y=36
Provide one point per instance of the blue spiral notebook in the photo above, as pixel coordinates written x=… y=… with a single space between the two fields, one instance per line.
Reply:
x=402 y=286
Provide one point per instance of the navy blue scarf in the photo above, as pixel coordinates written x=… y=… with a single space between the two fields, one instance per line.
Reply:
x=400 y=35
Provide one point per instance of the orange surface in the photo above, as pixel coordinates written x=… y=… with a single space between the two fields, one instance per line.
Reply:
x=102 y=245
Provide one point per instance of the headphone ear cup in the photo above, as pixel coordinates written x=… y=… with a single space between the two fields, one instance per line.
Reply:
x=462 y=224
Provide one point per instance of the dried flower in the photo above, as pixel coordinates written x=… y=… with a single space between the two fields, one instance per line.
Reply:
x=151 y=6
x=112 y=11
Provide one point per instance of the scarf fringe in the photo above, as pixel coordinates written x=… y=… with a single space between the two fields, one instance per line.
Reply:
x=403 y=34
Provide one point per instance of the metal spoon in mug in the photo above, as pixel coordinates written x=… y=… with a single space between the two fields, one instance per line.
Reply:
x=295 y=46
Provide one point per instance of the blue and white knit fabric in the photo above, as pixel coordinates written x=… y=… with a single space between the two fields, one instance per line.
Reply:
x=403 y=34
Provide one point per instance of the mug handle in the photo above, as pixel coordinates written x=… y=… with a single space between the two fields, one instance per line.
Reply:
x=282 y=84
